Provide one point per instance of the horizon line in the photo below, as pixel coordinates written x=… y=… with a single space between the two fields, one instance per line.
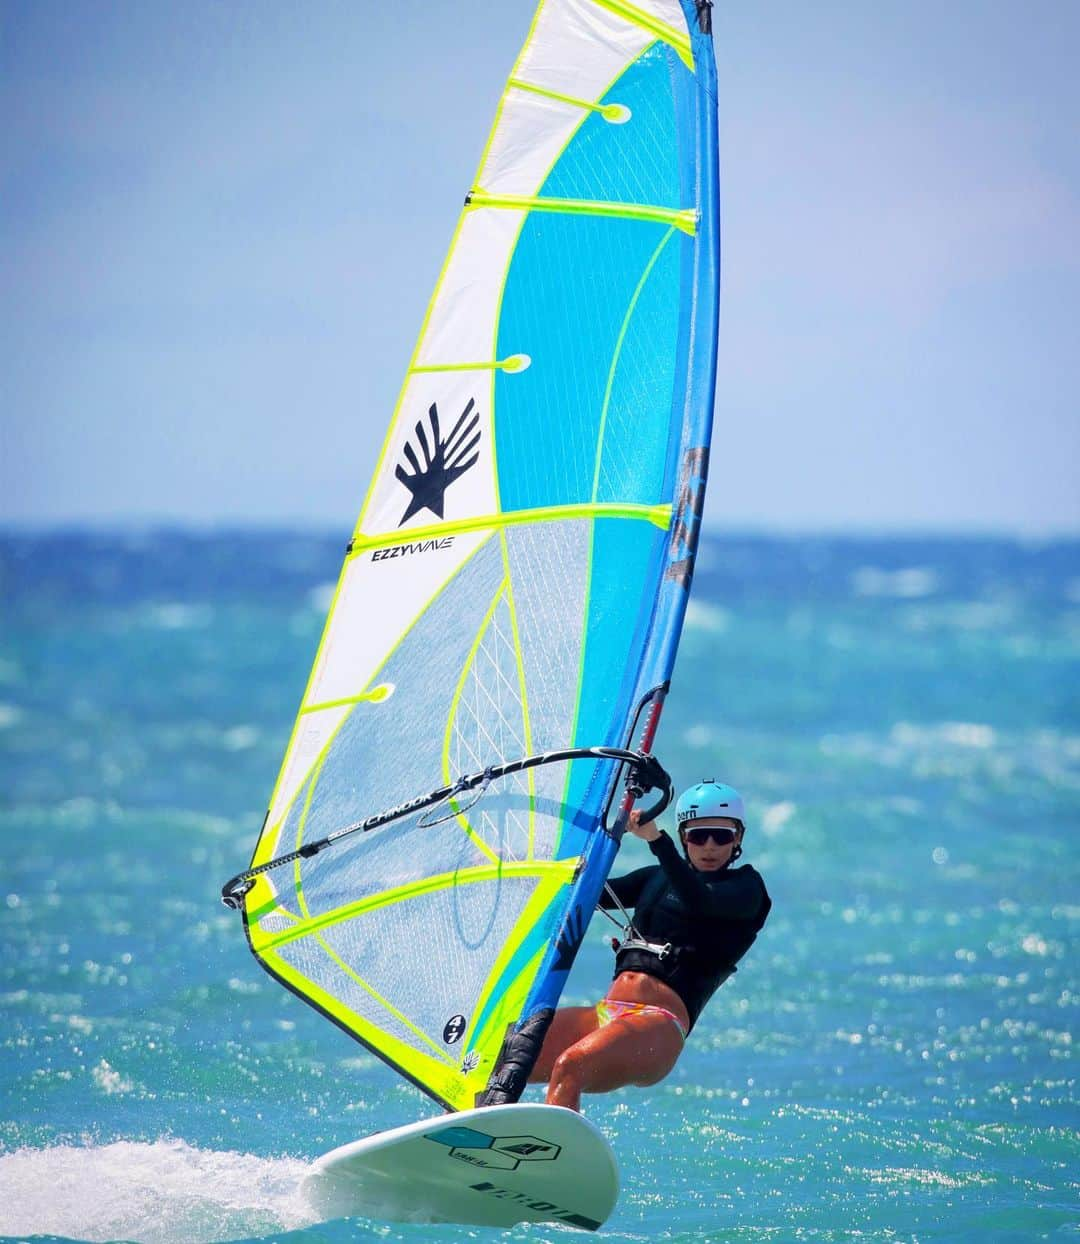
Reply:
x=327 y=529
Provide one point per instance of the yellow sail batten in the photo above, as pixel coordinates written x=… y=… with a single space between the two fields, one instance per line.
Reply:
x=377 y=695
x=563 y=869
x=684 y=219
x=661 y=30
x=514 y=363
x=610 y=111
x=658 y=515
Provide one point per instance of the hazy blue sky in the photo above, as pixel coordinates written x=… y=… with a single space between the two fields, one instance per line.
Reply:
x=222 y=222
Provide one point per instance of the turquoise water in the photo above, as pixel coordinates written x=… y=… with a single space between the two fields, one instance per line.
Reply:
x=894 y=1061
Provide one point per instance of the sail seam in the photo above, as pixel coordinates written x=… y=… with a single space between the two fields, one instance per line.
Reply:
x=374 y=993
x=335 y=1008
x=517 y=953
x=290 y=747
x=271 y=833
x=451 y=718
x=301 y=825
x=596 y=473
x=616 y=354
x=519 y=662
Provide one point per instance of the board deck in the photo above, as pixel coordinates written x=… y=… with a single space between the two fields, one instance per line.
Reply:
x=494 y=1166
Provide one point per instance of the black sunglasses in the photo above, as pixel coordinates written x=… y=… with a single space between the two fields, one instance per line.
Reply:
x=723 y=836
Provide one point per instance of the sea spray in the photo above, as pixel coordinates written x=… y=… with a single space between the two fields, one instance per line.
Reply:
x=166 y=1192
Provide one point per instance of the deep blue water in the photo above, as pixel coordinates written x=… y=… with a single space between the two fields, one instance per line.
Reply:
x=894 y=1061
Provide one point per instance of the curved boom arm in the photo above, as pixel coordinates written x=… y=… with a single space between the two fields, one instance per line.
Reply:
x=644 y=772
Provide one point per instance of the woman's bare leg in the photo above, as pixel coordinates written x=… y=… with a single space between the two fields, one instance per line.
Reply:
x=569 y=1025
x=635 y=1049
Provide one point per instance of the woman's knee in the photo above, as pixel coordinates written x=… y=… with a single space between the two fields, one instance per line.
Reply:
x=569 y=1066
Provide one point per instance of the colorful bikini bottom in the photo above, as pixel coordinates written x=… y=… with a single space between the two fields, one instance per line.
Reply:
x=614 y=1008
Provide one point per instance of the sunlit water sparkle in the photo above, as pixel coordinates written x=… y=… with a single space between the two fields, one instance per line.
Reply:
x=893 y=1062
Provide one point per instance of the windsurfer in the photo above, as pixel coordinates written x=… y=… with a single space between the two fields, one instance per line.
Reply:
x=694 y=918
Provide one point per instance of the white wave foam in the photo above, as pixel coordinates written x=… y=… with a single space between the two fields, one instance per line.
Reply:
x=178 y=616
x=109 y=1080
x=907 y=584
x=319 y=598
x=954 y=733
x=961 y=615
x=704 y=617
x=697 y=736
x=240 y=738
x=776 y=816
x=167 y=1192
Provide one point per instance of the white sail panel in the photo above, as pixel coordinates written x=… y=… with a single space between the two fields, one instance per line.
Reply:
x=578 y=48
x=472 y=282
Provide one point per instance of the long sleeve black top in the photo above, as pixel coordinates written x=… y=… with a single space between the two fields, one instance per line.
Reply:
x=710 y=921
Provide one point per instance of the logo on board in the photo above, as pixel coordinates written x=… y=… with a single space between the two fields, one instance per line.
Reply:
x=433 y=462
x=505 y=1153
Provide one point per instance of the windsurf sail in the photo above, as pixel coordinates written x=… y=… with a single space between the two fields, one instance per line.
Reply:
x=516 y=582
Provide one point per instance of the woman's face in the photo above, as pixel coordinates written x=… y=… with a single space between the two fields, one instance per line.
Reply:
x=705 y=852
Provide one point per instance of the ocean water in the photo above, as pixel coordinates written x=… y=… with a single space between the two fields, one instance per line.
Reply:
x=894 y=1061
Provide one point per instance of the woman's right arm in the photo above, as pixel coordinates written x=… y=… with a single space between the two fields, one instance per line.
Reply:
x=626 y=889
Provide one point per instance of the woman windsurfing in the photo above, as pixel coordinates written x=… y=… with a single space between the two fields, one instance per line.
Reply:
x=694 y=919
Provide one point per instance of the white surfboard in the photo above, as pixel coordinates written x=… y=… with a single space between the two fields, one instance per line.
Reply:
x=493 y=1167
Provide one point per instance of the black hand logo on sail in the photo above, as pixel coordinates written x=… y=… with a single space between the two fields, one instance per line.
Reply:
x=443 y=461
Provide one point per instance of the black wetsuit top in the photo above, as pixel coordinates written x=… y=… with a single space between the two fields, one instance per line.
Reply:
x=710 y=919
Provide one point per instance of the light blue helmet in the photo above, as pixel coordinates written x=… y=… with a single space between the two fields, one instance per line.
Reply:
x=710 y=798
